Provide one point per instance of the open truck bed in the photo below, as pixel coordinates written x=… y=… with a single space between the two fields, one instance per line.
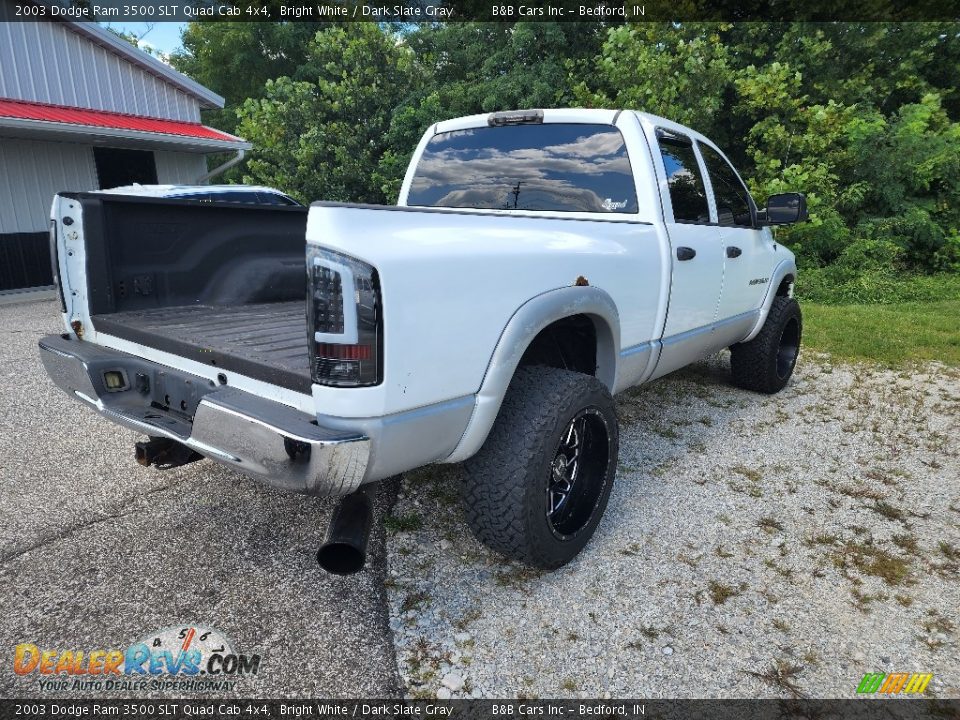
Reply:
x=223 y=284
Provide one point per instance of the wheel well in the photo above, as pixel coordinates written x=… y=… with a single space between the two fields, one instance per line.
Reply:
x=569 y=344
x=786 y=286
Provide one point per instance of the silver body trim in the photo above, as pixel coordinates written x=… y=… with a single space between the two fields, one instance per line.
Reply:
x=680 y=350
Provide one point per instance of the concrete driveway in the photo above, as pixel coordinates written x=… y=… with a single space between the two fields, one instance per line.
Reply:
x=98 y=552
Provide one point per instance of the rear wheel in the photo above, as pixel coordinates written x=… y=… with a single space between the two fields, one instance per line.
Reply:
x=766 y=363
x=537 y=489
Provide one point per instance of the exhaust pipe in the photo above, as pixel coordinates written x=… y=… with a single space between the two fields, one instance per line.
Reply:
x=164 y=453
x=344 y=549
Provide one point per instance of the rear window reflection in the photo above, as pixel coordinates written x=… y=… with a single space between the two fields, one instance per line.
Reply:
x=554 y=166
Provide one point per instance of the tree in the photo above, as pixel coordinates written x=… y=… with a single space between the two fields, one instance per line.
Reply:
x=235 y=59
x=323 y=135
x=465 y=68
x=821 y=108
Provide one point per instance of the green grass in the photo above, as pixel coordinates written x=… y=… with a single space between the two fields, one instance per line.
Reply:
x=889 y=334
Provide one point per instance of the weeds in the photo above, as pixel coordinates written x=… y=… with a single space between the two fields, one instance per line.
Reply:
x=720 y=593
x=781 y=625
x=782 y=675
x=409 y=522
x=414 y=601
x=888 y=511
x=871 y=560
x=907 y=543
x=748 y=473
x=769 y=524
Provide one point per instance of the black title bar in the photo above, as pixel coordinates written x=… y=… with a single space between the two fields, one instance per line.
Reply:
x=419 y=11
x=892 y=709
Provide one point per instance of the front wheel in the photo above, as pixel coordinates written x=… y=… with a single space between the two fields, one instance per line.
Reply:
x=766 y=363
x=538 y=487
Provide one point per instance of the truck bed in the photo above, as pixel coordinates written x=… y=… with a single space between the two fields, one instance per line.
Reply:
x=266 y=341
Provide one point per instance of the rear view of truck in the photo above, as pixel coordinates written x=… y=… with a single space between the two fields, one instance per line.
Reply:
x=188 y=323
x=537 y=263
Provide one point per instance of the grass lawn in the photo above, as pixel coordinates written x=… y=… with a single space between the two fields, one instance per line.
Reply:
x=888 y=334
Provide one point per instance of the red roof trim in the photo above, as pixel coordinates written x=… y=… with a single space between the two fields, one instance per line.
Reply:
x=23 y=110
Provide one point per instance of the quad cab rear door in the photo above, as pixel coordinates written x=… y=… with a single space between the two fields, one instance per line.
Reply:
x=696 y=252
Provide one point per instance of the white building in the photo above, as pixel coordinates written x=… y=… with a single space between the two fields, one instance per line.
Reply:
x=81 y=109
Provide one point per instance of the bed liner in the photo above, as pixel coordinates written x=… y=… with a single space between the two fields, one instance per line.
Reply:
x=266 y=341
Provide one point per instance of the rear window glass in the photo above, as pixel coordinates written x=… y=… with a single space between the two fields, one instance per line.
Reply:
x=554 y=166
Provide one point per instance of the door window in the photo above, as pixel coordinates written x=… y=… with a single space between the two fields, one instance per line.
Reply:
x=731 y=197
x=687 y=194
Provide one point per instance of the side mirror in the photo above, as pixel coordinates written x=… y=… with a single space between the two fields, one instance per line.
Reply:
x=785 y=209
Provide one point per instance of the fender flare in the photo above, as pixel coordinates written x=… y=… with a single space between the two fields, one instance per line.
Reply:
x=786 y=267
x=525 y=324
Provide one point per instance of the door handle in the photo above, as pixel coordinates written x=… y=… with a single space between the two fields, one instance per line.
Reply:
x=686 y=253
x=733 y=252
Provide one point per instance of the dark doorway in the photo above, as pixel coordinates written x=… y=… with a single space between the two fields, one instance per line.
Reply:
x=116 y=167
x=25 y=260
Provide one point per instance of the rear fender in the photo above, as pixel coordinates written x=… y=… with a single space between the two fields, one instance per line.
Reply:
x=525 y=324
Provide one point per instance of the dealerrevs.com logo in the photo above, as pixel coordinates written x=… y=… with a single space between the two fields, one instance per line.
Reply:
x=894 y=683
x=190 y=658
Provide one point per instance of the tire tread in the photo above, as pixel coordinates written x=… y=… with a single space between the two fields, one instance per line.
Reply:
x=496 y=478
x=753 y=363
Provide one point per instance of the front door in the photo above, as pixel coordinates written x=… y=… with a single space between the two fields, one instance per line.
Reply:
x=746 y=247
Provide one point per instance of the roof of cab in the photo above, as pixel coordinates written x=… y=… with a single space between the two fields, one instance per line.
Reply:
x=559 y=115
x=570 y=115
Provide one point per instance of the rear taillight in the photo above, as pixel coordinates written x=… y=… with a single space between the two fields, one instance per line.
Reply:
x=344 y=320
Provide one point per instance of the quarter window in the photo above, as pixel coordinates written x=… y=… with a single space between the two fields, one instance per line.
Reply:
x=553 y=166
x=687 y=194
x=731 y=197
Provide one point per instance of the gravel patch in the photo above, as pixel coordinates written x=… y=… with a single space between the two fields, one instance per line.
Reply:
x=753 y=547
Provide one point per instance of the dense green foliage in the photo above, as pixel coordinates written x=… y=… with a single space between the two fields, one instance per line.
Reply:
x=861 y=117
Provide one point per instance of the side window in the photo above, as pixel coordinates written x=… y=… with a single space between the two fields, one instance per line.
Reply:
x=266 y=198
x=732 y=198
x=687 y=192
x=234 y=196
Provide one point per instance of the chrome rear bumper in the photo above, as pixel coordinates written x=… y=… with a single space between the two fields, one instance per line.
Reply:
x=266 y=440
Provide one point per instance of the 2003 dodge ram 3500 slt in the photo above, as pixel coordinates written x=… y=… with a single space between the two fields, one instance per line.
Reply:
x=537 y=263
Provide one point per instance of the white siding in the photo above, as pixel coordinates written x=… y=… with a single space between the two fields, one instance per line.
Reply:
x=32 y=172
x=47 y=62
x=176 y=168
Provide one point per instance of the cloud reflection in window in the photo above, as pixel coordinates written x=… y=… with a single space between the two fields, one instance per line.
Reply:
x=559 y=167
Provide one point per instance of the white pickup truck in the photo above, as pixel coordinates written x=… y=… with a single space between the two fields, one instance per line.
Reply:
x=537 y=263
